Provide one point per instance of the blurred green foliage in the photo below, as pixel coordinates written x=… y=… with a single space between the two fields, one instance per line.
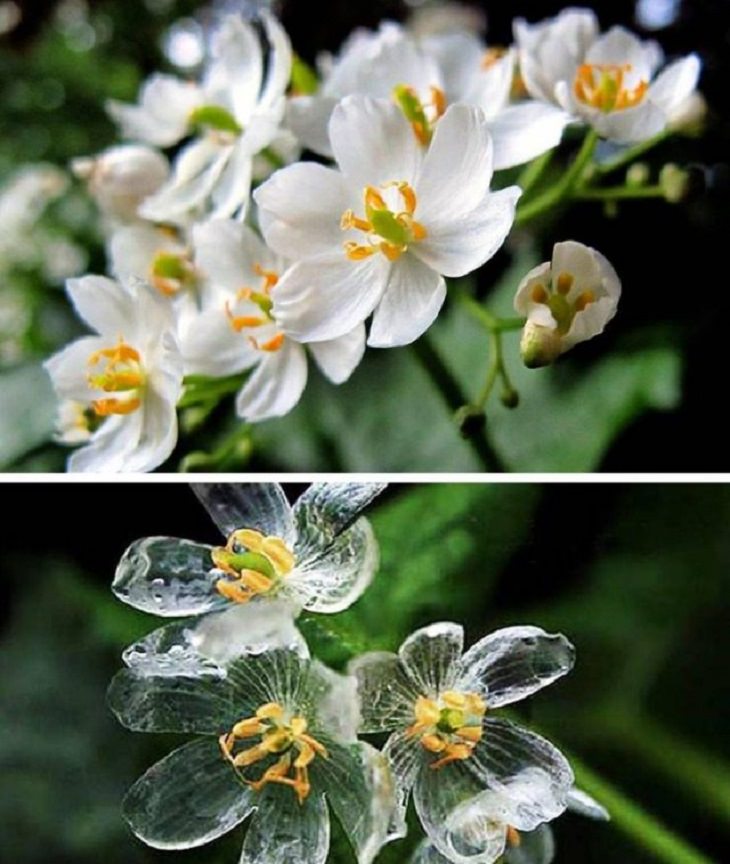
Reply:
x=637 y=577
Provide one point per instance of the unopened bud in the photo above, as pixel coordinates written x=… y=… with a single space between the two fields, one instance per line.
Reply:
x=674 y=182
x=470 y=420
x=689 y=118
x=509 y=398
x=539 y=346
x=638 y=174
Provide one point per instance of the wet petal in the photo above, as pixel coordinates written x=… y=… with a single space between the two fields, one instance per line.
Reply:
x=514 y=662
x=284 y=831
x=261 y=506
x=274 y=676
x=387 y=695
x=167 y=577
x=189 y=798
x=581 y=802
x=405 y=756
x=172 y=650
x=331 y=701
x=430 y=657
x=535 y=847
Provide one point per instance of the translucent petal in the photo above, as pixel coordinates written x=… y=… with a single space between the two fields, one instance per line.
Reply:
x=387 y=695
x=405 y=756
x=357 y=783
x=187 y=799
x=333 y=579
x=286 y=832
x=331 y=701
x=172 y=704
x=170 y=651
x=275 y=676
x=167 y=577
x=430 y=657
x=581 y=802
x=535 y=847
x=524 y=767
x=514 y=662
x=261 y=506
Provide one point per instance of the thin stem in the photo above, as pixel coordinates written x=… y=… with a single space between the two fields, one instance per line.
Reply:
x=487 y=319
x=452 y=395
x=495 y=366
x=533 y=171
x=630 y=818
x=620 y=193
x=631 y=153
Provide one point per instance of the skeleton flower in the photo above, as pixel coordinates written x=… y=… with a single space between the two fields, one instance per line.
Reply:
x=566 y=301
x=608 y=80
x=473 y=776
x=124 y=382
x=233 y=114
x=236 y=329
x=427 y=75
x=379 y=234
x=319 y=555
x=277 y=742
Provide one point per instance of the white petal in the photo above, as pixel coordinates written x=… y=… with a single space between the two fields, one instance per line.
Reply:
x=490 y=88
x=675 y=84
x=275 y=386
x=231 y=191
x=373 y=143
x=620 y=47
x=279 y=63
x=522 y=132
x=581 y=802
x=283 y=831
x=111 y=447
x=301 y=208
x=410 y=304
x=523 y=302
x=158 y=434
x=456 y=247
x=227 y=250
x=210 y=346
x=103 y=304
x=237 y=66
x=69 y=368
x=338 y=358
x=161 y=117
x=430 y=657
x=632 y=125
x=457 y=169
x=515 y=662
x=308 y=117
x=261 y=506
x=459 y=56
x=326 y=297
x=133 y=248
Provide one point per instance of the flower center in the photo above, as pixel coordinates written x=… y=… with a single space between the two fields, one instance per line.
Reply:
x=116 y=370
x=252 y=564
x=281 y=736
x=262 y=299
x=449 y=726
x=555 y=298
x=602 y=86
x=387 y=231
x=171 y=272
x=216 y=120
x=422 y=116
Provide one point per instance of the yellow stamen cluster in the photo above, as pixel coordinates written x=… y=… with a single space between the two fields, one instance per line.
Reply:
x=172 y=272
x=262 y=299
x=116 y=370
x=556 y=298
x=387 y=232
x=281 y=736
x=602 y=86
x=422 y=116
x=252 y=563
x=449 y=726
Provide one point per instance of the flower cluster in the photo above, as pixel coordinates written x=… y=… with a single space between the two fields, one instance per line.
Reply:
x=278 y=732
x=233 y=257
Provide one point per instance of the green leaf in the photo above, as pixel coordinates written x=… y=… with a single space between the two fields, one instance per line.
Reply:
x=28 y=412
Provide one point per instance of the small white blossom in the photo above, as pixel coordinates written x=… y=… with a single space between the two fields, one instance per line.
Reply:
x=233 y=114
x=566 y=301
x=609 y=81
x=379 y=234
x=128 y=377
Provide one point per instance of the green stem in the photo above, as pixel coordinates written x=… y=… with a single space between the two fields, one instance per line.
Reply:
x=619 y=193
x=487 y=319
x=201 y=389
x=645 y=830
x=533 y=171
x=564 y=187
x=631 y=154
x=494 y=369
x=452 y=395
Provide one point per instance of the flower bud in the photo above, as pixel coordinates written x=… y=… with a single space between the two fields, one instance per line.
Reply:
x=674 y=182
x=638 y=174
x=539 y=346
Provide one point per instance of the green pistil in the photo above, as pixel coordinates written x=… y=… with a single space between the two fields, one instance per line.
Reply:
x=214 y=117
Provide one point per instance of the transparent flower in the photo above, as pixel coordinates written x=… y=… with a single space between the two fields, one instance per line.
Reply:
x=566 y=301
x=472 y=774
x=379 y=234
x=277 y=742
x=318 y=555
x=609 y=81
x=427 y=75
x=236 y=328
x=128 y=377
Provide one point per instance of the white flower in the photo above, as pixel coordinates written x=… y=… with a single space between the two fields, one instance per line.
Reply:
x=379 y=234
x=120 y=178
x=128 y=377
x=608 y=81
x=234 y=114
x=236 y=330
x=429 y=75
x=474 y=776
x=566 y=301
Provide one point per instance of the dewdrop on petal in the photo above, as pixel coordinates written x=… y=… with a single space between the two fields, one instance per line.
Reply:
x=566 y=301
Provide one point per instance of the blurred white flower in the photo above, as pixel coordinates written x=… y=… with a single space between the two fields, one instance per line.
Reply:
x=128 y=377
x=609 y=81
x=566 y=301
x=379 y=234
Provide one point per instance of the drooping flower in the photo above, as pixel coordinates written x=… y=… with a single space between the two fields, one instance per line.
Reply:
x=379 y=234
x=277 y=742
x=233 y=114
x=464 y=766
x=125 y=381
x=318 y=555
x=609 y=81
x=566 y=301
x=236 y=329
x=426 y=76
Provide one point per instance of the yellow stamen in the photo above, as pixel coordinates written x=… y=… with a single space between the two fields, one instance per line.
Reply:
x=121 y=372
x=565 y=282
x=253 y=564
x=513 y=836
x=585 y=299
x=449 y=725
x=602 y=86
x=386 y=230
x=492 y=56
x=539 y=294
